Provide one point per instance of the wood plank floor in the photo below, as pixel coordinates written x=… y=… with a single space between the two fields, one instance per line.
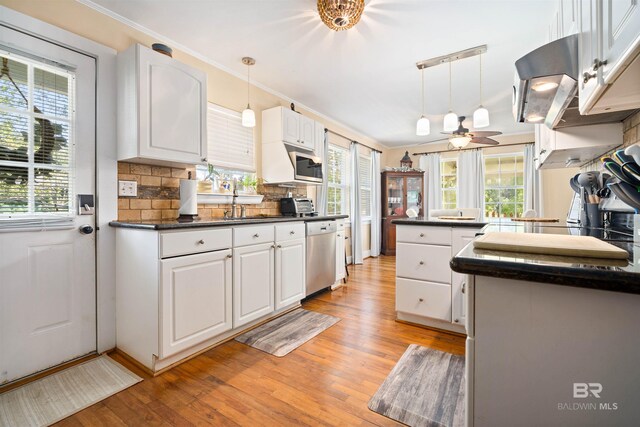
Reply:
x=327 y=381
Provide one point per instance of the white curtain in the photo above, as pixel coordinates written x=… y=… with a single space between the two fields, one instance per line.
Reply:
x=375 y=203
x=356 y=218
x=321 y=190
x=532 y=187
x=432 y=196
x=471 y=179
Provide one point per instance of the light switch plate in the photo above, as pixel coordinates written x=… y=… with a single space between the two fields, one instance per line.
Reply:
x=127 y=188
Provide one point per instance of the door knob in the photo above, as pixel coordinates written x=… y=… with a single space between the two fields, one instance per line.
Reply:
x=421 y=234
x=86 y=229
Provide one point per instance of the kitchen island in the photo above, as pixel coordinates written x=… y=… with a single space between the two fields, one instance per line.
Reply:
x=552 y=340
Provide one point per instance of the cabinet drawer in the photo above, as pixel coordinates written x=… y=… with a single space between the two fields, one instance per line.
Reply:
x=423 y=234
x=423 y=298
x=290 y=231
x=253 y=235
x=423 y=262
x=192 y=242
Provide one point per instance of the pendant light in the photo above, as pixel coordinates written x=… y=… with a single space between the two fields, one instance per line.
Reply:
x=248 y=116
x=423 y=127
x=481 y=115
x=451 y=119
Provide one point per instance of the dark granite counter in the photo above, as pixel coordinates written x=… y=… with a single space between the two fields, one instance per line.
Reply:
x=439 y=222
x=611 y=275
x=175 y=225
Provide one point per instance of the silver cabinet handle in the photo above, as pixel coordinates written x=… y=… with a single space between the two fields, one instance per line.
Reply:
x=421 y=262
x=292 y=232
x=201 y=242
x=204 y=159
x=421 y=234
x=421 y=299
x=586 y=76
x=463 y=286
x=255 y=236
x=229 y=256
x=457 y=320
x=273 y=246
x=598 y=63
x=279 y=246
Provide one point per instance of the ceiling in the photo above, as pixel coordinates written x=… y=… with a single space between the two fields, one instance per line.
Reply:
x=365 y=77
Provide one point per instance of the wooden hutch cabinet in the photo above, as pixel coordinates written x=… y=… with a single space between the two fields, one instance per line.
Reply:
x=400 y=191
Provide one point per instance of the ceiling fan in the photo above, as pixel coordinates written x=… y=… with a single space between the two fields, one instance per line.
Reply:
x=461 y=137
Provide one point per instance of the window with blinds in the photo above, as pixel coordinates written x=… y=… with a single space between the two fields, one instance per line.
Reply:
x=364 y=175
x=36 y=139
x=337 y=181
x=231 y=145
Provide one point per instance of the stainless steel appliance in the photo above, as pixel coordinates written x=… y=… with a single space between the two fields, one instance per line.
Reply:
x=306 y=167
x=290 y=206
x=321 y=255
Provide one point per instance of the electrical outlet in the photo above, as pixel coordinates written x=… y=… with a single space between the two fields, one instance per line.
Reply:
x=127 y=188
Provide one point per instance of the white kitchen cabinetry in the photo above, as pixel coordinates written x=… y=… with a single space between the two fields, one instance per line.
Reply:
x=195 y=299
x=290 y=272
x=319 y=141
x=253 y=282
x=576 y=145
x=609 y=46
x=162 y=109
x=280 y=124
x=427 y=291
x=340 y=250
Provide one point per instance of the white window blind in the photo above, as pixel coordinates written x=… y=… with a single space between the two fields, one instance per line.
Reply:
x=365 y=186
x=338 y=181
x=231 y=145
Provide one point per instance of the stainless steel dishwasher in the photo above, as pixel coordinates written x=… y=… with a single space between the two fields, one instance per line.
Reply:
x=321 y=255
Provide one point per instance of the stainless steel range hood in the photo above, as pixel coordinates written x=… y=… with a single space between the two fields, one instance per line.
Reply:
x=546 y=88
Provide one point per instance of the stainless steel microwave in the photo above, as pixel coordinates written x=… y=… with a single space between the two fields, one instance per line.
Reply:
x=306 y=167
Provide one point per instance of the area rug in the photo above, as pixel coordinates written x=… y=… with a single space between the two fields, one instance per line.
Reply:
x=288 y=332
x=52 y=398
x=425 y=388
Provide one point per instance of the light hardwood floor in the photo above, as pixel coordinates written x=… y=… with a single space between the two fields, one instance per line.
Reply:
x=327 y=381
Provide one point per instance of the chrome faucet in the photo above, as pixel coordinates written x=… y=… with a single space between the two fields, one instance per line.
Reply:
x=234 y=202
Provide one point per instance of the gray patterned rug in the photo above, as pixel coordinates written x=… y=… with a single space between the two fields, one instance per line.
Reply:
x=288 y=332
x=425 y=388
x=52 y=398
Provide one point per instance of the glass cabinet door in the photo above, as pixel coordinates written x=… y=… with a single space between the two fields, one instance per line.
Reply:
x=395 y=196
x=414 y=193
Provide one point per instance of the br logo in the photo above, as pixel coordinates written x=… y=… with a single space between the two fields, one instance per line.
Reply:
x=583 y=390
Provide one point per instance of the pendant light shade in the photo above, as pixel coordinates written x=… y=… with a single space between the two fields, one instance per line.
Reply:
x=423 y=127
x=460 y=141
x=481 y=115
x=248 y=116
x=451 y=119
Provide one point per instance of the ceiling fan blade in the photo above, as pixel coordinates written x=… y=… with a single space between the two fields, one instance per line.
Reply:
x=436 y=140
x=446 y=133
x=485 y=133
x=483 y=140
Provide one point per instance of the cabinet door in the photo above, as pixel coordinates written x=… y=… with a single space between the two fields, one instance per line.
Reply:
x=172 y=109
x=620 y=35
x=319 y=141
x=395 y=197
x=340 y=247
x=195 y=300
x=253 y=282
x=290 y=126
x=459 y=239
x=588 y=25
x=569 y=9
x=307 y=132
x=414 y=194
x=290 y=272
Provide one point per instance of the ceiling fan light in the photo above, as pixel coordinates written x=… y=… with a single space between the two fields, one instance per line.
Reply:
x=460 y=141
x=248 y=118
x=481 y=118
x=423 y=127
x=450 y=122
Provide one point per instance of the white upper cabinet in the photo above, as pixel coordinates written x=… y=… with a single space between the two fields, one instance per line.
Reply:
x=569 y=17
x=281 y=124
x=620 y=36
x=319 y=141
x=162 y=109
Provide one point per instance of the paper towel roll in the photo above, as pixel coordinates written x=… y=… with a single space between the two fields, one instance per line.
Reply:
x=188 y=197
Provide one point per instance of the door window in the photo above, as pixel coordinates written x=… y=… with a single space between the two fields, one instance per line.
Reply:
x=36 y=139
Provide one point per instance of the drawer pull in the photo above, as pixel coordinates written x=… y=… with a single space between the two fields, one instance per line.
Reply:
x=421 y=262
x=292 y=232
x=421 y=234
x=457 y=320
x=421 y=299
x=464 y=284
x=279 y=246
x=229 y=256
x=255 y=236
x=201 y=242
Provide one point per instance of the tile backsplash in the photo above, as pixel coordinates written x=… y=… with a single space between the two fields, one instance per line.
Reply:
x=159 y=196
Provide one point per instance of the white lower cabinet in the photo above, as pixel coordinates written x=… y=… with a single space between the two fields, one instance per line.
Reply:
x=289 y=272
x=195 y=299
x=340 y=250
x=422 y=298
x=253 y=282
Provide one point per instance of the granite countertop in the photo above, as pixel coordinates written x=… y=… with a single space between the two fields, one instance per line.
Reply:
x=593 y=273
x=175 y=225
x=439 y=222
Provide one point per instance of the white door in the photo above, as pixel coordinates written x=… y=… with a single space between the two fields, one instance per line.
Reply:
x=290 y=273
x=290 y=126
x=47 y=157
x=196 y=299
x=253 y=282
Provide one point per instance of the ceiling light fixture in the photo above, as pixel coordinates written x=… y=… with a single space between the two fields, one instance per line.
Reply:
x=451 y=119
x=460 y=141
x=248 y=116
x=481 y=115
x=340 y=14
x=423 y=127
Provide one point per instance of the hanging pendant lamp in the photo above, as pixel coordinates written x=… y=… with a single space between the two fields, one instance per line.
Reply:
x=423 y=127
x=248 y=116
x=481 y=115
x=451 y=119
